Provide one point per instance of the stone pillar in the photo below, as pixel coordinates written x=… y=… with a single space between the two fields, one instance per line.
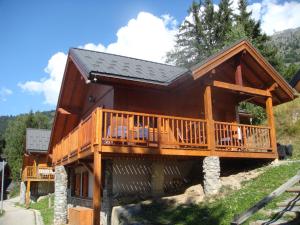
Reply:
x=22 y=193
x=211 y=170
x=157 y=178
x=107 y=197
x=60 y=196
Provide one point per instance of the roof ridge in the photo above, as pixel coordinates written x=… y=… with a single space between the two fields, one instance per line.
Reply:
x=38 y=129
x=129 y=57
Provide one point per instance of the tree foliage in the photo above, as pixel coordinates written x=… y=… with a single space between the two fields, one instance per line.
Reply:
x=15 y=138
x=207 y=30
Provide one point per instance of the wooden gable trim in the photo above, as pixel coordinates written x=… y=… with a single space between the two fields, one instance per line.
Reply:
x=242 y=46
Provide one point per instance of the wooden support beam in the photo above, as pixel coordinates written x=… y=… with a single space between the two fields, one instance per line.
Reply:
x=27 y=196
x=69 y=111
x=238 y=73
x=247 y=90
x=86 y=165
x=97 y=189
x=209 y=118
x=271 y=123
x=273 y=87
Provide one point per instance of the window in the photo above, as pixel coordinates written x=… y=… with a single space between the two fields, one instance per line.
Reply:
x=81 y=185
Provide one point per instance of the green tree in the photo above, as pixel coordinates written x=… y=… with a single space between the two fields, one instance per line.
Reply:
x=290 y=70
x=197 y=36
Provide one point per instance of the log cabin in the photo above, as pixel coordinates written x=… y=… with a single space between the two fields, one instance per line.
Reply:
x=126 y=126
x=37 y=174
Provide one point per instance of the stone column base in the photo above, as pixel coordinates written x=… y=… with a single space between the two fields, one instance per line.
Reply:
x=60 y=196
x=211 y=169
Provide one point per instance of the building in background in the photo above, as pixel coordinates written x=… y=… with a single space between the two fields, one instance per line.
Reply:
x=37 y=173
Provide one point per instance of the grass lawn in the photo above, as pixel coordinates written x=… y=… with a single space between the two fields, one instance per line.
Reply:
x=1 y=214
x=46 y=212
x=221 y=210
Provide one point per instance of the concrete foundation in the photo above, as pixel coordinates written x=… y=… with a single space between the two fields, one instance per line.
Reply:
x=22 y=193
x=107 y=197
x=60 y=196
x=157 y=179
x=211 y=170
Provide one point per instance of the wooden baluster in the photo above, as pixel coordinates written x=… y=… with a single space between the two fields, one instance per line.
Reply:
x=244 y=137
x=186 y=131
x=182 y=132
x=199 y=132
x=148 y=133
x=138 y=127
x=111 y=125
x=105 y=124
x=143 y=123
x=158 y=131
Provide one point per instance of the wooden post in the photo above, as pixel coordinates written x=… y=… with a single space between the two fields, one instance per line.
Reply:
x=96 y=148
x=271 y=123
x=97 y=187
x=27 y=194
x=209 y=118
x=238 y=74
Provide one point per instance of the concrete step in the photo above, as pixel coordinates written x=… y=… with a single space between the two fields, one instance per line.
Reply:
x=281 y=213
x=295 y=201
x=278 y=222
x=295 y=189
x=290 y=209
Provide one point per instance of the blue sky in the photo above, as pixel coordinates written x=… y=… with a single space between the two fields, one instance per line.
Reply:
x=35 y=35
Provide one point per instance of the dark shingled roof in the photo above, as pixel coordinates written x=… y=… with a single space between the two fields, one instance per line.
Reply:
x=295 y=79
x=37 y=140
x=103 y=64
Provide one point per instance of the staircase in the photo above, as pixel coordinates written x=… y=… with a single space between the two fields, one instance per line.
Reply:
x=287 y=211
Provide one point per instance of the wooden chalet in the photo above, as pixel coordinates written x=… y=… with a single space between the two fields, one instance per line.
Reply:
x=37 y=172
x=112 y=106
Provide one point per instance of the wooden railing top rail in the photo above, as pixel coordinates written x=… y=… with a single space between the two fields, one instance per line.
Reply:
x=240 y=124
x=152 y=115
x=243 y=217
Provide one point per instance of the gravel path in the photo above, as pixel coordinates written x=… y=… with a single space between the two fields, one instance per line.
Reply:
x=16 y=215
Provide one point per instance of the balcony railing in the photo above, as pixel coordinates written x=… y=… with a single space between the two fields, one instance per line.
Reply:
x=131 y=129
x=232 y=136
x=40 y=173
x=128 y=128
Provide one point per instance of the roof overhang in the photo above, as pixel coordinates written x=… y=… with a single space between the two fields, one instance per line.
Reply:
x=205 y=67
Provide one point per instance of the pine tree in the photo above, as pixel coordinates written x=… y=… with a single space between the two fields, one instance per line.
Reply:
x=202 y=34
x=223 y=23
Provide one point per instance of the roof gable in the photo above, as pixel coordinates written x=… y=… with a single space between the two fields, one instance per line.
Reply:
x=202 y=68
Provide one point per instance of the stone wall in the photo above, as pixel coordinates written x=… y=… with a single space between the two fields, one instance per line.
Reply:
x=60 y=196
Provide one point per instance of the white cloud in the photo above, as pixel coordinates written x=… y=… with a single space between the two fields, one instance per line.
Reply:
x=4 y=92
x=276 y=16
x=49 y=86
x=146 y=37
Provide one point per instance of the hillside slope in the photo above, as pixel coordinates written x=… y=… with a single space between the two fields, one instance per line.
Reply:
x=288 y=43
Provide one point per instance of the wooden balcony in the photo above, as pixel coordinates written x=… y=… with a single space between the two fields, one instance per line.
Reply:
x=120 y=132
x=37 y=173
